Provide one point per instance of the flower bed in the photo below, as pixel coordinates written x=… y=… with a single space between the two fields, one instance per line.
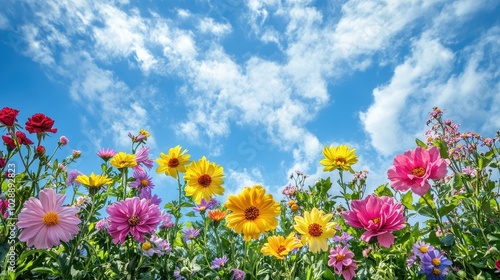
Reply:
x=436 y=218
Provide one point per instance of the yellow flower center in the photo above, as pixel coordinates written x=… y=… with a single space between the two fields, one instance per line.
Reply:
x=281 y=248
x=205 y=180
x=203 y=208
x=315 y=230
x=251 y=213
x=419 y=171
x=133 y=220
x=295 y=207
x=436 y=271
x=173 y=162
x=376 y=221
x=146 y=246
x=436 y=261
x=423 y=249
x=340 y=257
x=144 y=183
x=341 y=160
x=50 y=219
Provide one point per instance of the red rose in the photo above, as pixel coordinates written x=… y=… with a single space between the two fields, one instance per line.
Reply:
x=2 y=162
x=9 y=142
x=40 y=123
x=40 y=150
x=8 y=116
x=22 y=139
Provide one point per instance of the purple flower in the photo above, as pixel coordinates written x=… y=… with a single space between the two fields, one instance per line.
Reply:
x=166 y=221
x=434 y=265
x=238 y=274
x=141 y=156
x=420 y=248
x=204 y=205
x=191 y=234
x=142 y=180
x=106 y=154
x=152 y=199
x=156 y=245
x=102 y=224
x=70 y=179
x=341 y=259
x=219 y=262
x=344 y=238
x=469 y=171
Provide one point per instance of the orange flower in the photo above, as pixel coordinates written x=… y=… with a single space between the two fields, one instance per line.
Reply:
x=217 y=215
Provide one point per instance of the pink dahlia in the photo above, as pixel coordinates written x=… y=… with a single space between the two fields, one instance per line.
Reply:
x=46 y=222
x=132 y=215
x=414 y=168
x=341 y=260
x=379 y=216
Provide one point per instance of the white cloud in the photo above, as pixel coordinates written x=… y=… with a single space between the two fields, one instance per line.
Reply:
x=208 y=25
x=4 y=21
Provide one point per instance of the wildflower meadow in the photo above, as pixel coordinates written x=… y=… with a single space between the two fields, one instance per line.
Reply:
x=437 y=217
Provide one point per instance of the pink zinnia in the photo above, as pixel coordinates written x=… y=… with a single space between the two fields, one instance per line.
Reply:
x=132 y=215
x=414 y=168
x=379 y=216
x=46 y=222
x=342 y=262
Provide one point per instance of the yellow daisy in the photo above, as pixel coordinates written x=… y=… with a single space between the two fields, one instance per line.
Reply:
x=315 y=229
x=279 y=247
x=253 y=212
x=173 y=162
x=123 y=160
x=203 y=180
x=341 y=158
x=144 y=132
x=94 y=181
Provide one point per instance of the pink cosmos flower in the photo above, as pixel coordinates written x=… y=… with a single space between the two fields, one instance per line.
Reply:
x=106 y=154
x=46 y=222
x=414 y=168
x=132 y=215
x=379 y=216
x=342 y=262
x=141 y=156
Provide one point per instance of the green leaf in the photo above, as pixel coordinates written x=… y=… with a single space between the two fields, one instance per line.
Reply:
x=427 y=197
x=457 y=181
x=446 y=209
x=441 y=145
x=383 y=191
x=420 y=143
x=407 y=200
x=448 y=240
x=190 y=214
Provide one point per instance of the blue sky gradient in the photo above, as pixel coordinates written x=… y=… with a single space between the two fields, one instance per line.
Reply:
x=257 y=86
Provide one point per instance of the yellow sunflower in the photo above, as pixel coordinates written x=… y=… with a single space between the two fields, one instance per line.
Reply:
x=173 y=162
x=144 y=132
x=123 y=160
x=204 y=180
x=315 y=229
x=279 y=247
x=253 y=212
x=341 y=158
x=94 y=181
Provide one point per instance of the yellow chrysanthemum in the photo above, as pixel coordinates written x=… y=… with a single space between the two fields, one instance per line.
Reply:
x=279 y=247
x=123 y=160
x=253 y=212
x=204 y=180
x=339 y=158
x=173 y=162
x=94 y=181
x=144 y=132
x=315 y=228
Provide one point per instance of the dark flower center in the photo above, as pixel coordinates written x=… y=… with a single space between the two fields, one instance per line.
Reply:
x=173 y=162
x=436 y=271
x=280 y=249
x=419 y=171
x=341 y=160
x=133 y=220
x=205 y=180
x=340 y=257
x=251 y=213
x=315 y=230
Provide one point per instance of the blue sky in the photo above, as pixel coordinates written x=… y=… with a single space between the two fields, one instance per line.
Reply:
x=257 y=86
